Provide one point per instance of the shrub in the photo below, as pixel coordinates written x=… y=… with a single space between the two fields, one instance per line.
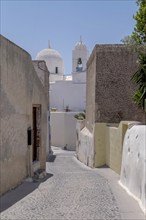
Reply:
x=80 y=116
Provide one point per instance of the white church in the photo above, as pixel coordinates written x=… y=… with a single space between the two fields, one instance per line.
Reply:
x=67 y=93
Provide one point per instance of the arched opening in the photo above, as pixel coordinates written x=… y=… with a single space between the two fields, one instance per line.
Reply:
x=79 y=65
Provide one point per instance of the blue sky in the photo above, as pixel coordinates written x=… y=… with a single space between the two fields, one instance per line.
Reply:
x=30 y=24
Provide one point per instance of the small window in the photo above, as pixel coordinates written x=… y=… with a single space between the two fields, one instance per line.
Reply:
x=56 y=69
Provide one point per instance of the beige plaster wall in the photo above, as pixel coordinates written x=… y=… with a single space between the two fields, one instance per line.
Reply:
x=20 y=88
x=100 y=144
x=123 y=148
x=108 y=143
x=104 y=146
x=43 y=74
x=114 y=145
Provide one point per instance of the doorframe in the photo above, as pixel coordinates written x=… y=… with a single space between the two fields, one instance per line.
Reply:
x=36 y=158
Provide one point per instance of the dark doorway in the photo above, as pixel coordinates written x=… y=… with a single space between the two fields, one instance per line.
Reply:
x=36 y=132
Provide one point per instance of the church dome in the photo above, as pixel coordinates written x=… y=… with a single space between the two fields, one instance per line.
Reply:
x=49 y=52
x=53 y=60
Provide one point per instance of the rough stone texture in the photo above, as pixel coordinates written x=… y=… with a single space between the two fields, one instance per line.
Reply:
x=109 y=97
x=20 y=88
x=90 y=93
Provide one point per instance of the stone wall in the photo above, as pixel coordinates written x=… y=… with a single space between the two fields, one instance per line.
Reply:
x=20 y=89
x=90 y=92
x=115 y=65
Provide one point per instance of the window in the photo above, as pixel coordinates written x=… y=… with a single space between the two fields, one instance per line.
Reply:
x=56 y=69
x=79 y=65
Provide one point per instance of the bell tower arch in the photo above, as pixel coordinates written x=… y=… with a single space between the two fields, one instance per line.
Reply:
x=79 y=57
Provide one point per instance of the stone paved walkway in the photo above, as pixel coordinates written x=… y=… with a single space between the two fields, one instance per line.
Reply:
x=74 y=191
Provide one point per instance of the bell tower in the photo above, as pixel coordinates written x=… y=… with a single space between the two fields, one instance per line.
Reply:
x=79 y=57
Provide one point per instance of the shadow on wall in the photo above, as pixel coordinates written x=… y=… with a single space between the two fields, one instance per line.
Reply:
x=13 y=196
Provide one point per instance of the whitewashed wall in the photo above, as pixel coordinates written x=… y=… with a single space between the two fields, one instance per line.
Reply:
x=85 y=146
x=63 y=129
x=67 y=93
x=133 y=170
x=79 y=77
x=55 y=77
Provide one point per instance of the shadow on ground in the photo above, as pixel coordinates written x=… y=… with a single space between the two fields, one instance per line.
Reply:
x=13 y=196
x=103 y=166
x=51 y=158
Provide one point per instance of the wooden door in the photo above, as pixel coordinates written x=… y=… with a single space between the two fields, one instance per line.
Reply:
x=36 y=132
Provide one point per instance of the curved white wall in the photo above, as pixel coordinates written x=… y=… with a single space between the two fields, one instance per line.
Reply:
x=53 y=59
x=133 y=170
x=52 y=63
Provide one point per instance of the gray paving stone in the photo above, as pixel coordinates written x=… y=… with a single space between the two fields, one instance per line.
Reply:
x=73 y=192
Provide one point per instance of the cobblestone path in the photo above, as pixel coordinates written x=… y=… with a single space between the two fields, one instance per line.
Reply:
x=73 y=192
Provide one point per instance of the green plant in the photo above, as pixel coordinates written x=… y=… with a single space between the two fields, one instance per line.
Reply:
x=137 y=41
x=138 y=36
x=140 y=79
x=53 y=109
x=80 y=116
x=139 y=33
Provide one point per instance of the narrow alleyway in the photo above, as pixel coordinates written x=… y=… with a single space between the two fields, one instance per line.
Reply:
x=75 y=191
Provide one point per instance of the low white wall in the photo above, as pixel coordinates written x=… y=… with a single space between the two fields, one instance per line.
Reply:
x=80 y=124
x=133 y=169
x=63 y=129
x=85 y=148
